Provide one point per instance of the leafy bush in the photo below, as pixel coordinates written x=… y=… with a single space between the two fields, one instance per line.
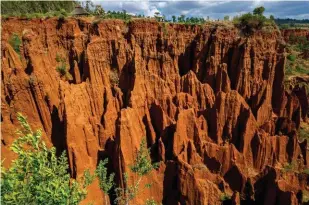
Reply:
x=224 y=197
x=289 y=167
x=305 y=196
x=142 y=166
x=59 y=58
x=106 y=182
x=150 y=202
x=259 y=11
x=61 y=68
x=249 y=23
x=304 y=131
x=291 y=57
x=38 y=176
x=15 y=42
x=301 y=70
x=306 y=171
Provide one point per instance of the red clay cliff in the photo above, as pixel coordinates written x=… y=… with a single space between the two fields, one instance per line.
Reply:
x=210 y=103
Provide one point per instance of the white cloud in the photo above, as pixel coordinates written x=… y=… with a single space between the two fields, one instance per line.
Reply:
x=214 y=9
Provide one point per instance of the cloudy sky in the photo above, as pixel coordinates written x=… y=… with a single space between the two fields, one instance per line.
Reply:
x=213 y=9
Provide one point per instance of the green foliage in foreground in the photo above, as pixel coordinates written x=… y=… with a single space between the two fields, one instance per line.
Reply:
x=142 y=167
x=38 y=176
x=106 y=182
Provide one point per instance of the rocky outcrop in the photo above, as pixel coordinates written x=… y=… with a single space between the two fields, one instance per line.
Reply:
x=210 y=103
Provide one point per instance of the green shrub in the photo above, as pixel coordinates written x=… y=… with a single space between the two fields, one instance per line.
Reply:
x=301 y=70
x=63 y=13
x=306 y=171
x=15 y=42
x=61 y=69
x=142 y=167
x=150 y=202
x=59 y=58
x=259 y=11
x=224 y=197
x=291 y=57
x=305 y=196
x=289 y=167
x=288 y=71
x=105 y=182
x=303 y=133
x=249 y=23
x=38 y=176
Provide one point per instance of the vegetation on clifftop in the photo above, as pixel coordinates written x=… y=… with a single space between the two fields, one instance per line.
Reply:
x=251 y=22
x=36 y=8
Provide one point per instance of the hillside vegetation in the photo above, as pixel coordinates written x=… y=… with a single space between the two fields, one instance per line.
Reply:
x=18 y=8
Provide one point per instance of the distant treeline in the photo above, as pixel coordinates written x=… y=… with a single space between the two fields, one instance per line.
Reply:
x=291 y=21
x=18 y=8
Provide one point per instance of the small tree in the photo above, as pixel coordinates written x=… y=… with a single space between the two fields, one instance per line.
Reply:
x=259 y=11
x=88 y=7
x=106 y=182
x=174 y=19
x=271 y=17
x=249 y=22
x=181 y=18
x=142 y=167
x=158 y=16
x=226 y=18
x=99 y=11
x=38 y=176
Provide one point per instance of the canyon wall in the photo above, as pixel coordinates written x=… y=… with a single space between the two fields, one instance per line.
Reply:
x=289 y=34
x=209 y=102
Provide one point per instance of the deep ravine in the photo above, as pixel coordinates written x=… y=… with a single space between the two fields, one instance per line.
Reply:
x=210 y=102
